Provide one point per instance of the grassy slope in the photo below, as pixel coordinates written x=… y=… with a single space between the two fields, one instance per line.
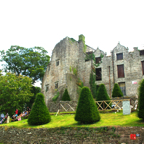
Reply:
x=67 y=120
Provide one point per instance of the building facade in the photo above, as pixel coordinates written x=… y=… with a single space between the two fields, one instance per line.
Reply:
x=68 y=64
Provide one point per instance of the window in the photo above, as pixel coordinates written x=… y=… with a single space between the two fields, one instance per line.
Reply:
x=47 y=87
x=98 y=59
x=120 y=56
x=120 y=69
x=142 y=67
x=141 y=52
x=56 y=85
x=122 y=87
x=57 y=62
x=98 y=74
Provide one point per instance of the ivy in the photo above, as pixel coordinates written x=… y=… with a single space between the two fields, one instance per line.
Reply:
x=92 y=57
x=80 y=86
x=72 y=40
x=80 y=83
x=70 y=68
x=74 y=71
x=82 y=38
x=55 y=97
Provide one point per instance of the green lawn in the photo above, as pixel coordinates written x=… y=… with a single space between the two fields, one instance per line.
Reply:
x=67 y=120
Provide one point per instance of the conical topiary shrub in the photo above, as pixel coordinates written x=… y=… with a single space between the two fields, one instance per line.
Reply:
x=117 y=91
x=65 y=96
x=141 y=100
x=86 y=111
x=39 y=114
x=102 y=95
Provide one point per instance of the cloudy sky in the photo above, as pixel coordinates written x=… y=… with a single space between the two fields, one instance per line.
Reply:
x=44 y=23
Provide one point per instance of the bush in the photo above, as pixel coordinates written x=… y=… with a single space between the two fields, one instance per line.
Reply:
x=65 y=96
x=117 y=91
x=141 y=100
x=39 y=114
x=102 y=95
x=86 y=111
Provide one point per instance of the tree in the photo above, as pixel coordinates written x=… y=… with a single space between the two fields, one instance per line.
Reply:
x=34 y=90
x=141 y=100
x=14 y=92
x=30 y=62
x=102 y=95
x=117 y=91
x=39 y=114
x=86 y=111
x=65 y=96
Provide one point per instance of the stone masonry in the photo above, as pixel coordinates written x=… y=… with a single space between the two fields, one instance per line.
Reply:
x=68 y=53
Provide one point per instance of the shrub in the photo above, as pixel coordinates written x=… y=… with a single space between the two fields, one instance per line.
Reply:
x=117 y=91
x=86 y=111
x=39 y=114
x=141 y=100
x=65 y=96
x=102 y=95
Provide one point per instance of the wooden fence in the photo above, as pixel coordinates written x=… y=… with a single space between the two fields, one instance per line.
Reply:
x=105 y=105
x=101 y=105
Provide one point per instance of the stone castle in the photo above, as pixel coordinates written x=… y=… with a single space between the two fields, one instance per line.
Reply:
x=122 y=67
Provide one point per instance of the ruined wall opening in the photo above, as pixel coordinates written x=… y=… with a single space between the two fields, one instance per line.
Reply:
x=98 y=74
x=47 y=87
x=56 y=85
x=141 y=52
x=98 y=59
x=57 y=62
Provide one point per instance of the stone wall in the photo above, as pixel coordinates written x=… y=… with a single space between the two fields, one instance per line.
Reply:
x=54 y=106
x=71 y=135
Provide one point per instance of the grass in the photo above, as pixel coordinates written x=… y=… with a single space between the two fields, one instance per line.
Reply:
x=67 y=120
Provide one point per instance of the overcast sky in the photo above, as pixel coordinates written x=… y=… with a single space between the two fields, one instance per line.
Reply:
x=44 y=23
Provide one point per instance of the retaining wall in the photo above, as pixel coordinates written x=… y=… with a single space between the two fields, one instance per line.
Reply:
x=113 y=135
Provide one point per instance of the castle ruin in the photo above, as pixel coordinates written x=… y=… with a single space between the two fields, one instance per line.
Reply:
x=122 y=67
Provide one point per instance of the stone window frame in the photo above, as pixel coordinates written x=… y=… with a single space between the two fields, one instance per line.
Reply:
x=57 y=62
x=56 y=85
x=119 y=56
x=47 y=87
